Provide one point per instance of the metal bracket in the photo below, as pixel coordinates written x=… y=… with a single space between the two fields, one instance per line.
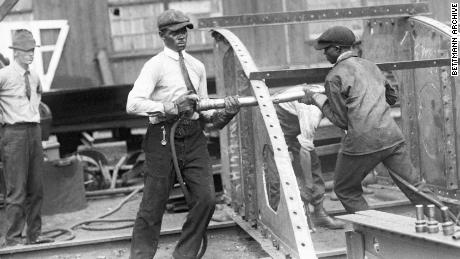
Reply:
x=317 y=75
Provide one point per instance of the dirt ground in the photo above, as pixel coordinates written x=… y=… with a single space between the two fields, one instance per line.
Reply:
x=231 y=244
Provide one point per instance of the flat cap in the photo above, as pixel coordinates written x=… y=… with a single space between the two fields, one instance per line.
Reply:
x=337 y=35
x=23 y=40
x=173 y=20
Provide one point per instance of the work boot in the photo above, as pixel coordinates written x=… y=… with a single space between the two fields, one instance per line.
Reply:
x=320 y=218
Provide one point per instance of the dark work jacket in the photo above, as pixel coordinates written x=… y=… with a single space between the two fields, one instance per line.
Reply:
x=356 y=88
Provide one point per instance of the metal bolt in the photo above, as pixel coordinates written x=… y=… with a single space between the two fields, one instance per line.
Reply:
x=456 y=236
x=433 y=226
x=448 y=227
x=420 y=223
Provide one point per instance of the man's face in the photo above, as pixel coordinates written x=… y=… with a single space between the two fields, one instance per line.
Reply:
x=175 y=40
x=24 y=57
x=332 y=53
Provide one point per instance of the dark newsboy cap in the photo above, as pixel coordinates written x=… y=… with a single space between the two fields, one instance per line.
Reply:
x=173 y=20
x=337 y=35
x=23 y=40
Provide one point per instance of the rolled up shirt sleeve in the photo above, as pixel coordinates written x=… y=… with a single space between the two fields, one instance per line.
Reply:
x=309 y=118
x=140 y=97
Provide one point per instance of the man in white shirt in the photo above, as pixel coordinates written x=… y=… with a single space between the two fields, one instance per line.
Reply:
x=167 y=89
x=299 y=122
x=21 y=147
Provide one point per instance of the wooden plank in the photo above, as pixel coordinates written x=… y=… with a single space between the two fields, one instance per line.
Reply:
x=6 y=6
x=88 y=22
x=328 y=149
x=104 y=67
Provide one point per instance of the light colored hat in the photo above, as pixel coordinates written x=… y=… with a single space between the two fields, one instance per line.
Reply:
x=23 y=40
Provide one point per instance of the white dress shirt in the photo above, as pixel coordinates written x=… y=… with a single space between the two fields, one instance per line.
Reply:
x=161 y=80
x=15 y=107
x=309 y=118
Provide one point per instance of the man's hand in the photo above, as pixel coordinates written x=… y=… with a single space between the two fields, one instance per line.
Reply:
x=186 y=103
x=232 y=105
x=308 y=98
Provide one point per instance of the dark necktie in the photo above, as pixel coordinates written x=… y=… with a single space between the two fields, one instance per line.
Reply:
x=185 y=74
x=26 y=80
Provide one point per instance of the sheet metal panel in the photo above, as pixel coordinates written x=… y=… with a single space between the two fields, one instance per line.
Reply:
x=287 y=226
x=435 y=105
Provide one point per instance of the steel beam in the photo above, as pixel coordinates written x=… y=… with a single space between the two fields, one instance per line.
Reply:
x=263 y=19
x=6 y=6
x=384 y=235
x=318 y=74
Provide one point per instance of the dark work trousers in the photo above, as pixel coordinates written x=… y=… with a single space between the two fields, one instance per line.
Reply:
x=313 y=186
x=22 y=157
x=350 y=170
x=159 y=178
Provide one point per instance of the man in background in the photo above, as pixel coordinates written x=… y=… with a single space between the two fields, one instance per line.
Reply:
x=21 y=147
x=299 y=122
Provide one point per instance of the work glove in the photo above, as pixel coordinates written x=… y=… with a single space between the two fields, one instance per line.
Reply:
x=391 y=95
x=186 y=103
x=232 y=105
x=313 y=98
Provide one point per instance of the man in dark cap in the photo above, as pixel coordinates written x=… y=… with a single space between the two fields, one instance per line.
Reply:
x=21 y=148
x=357 y=100
x=167 y=89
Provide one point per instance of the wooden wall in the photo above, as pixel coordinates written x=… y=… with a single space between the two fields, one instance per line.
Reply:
x=281 y=46
x=88 y=34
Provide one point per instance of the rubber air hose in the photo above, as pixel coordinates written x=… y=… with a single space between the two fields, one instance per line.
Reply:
x=188 y=199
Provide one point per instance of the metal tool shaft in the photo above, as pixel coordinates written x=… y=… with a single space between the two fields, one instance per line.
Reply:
x=209 y=104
